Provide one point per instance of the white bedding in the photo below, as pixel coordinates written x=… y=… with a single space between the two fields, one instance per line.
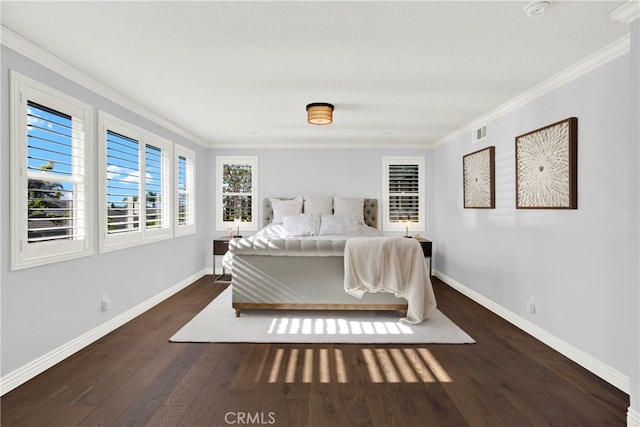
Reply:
x=275 y=240
x=278 y=231
x=390 y=264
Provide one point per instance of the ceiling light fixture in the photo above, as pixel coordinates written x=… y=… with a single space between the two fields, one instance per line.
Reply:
x=537 y=8
x=319 y=113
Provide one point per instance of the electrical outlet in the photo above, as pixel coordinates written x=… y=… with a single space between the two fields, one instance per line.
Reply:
x=531 y=305
x=106 y=302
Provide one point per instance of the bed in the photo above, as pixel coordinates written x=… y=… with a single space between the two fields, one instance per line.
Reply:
x=297 y=260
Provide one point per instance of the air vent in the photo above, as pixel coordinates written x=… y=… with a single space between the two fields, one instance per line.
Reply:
x=480 y=133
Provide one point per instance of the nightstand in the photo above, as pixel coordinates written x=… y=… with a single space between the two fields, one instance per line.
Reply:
x=427 y=250
x=220 y=247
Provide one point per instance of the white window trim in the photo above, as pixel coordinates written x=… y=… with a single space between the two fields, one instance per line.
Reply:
x=110 y=242
x=24 y=255
x=247 y=226
x=403 y=160
x=190 y=226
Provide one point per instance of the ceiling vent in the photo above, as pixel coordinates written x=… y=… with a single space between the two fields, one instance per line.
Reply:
x=480 y=133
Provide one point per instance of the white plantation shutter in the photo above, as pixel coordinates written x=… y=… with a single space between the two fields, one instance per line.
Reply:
x=185 y=190
x=56 y=208
x=154 y=170
x=136 y=201
x=51 y=151
x=123 y=183
x=403 y=193
x=183 y=195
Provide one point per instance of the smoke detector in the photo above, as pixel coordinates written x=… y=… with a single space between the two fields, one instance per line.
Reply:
x=537 y=8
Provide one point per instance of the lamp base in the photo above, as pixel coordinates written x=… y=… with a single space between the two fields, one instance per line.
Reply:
x=237 y=236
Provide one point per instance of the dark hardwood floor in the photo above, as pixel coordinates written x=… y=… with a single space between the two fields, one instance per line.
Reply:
x=136 y=377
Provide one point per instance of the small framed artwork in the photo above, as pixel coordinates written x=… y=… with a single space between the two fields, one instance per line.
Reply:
x=479 y=170
x=547 y=167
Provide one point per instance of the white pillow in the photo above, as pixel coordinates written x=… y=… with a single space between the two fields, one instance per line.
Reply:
x=321 y=205
x=301 y=224
x=338 y=225
x=282 y=208
x=354 y=206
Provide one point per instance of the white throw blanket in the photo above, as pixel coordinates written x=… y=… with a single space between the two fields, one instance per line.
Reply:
x=390 y=264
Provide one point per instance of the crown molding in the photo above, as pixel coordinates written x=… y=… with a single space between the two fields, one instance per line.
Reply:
x=591 y=62
x=41 y=56
x=627 y=13
x=395 y=145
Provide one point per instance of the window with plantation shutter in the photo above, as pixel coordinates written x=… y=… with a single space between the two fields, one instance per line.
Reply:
x=154 y=190
x=51 y=207
x=237 y=192
x=185 y=191
x=123 y=183
x=136 y=200
x=403 y=193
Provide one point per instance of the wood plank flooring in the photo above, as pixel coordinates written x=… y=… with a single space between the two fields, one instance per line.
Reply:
x=136 y=377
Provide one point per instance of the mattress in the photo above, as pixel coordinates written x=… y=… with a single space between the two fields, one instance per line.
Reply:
x=288 y=247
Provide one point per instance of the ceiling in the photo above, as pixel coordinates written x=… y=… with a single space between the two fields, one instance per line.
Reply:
x=241 y=73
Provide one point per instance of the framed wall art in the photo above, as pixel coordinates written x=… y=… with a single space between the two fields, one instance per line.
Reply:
x=478 y=169
x=547 y=167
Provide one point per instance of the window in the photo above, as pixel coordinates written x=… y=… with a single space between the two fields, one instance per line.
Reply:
x=236 y=192
x=185 y=191
x=50 y=174
x=403 y=190
x=135 y=196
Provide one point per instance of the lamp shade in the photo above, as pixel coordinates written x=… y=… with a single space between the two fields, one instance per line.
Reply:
x=319 y=113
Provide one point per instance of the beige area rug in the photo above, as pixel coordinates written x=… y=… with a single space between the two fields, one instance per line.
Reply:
x=218 y=323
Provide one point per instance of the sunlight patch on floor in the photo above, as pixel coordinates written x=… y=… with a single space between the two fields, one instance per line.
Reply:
x=327 y=365
x=335 y=326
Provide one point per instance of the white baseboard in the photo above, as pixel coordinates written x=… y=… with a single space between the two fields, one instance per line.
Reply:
x=44 y=362
x=604 y=371
x=633 y=418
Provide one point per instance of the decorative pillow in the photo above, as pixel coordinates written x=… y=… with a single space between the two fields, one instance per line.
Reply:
x=321 y=205
x=355 y=206
x=301 y=224
x=282 y=208
x=338 y=225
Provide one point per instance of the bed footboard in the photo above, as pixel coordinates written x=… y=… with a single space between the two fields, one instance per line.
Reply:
x=377 y=307
x=300 y=283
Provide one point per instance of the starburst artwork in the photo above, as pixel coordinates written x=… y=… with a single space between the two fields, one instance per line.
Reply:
x=546 y=167
x=479 y=179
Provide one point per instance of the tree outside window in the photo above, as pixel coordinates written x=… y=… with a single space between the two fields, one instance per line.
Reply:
x=236 y=191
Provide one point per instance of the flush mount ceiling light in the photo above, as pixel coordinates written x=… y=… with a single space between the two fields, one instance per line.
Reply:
x=319 y=113
x=537 y=8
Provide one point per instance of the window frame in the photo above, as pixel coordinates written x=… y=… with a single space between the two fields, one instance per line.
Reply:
x=23 y=254
x=389 y=225
x=190 y=156
x=253 y=225
x=142 y=235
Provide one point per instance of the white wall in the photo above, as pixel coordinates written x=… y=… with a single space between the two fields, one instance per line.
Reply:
x=634 y=217
x=573 y=262
x=45 y=307
x=347 y=172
